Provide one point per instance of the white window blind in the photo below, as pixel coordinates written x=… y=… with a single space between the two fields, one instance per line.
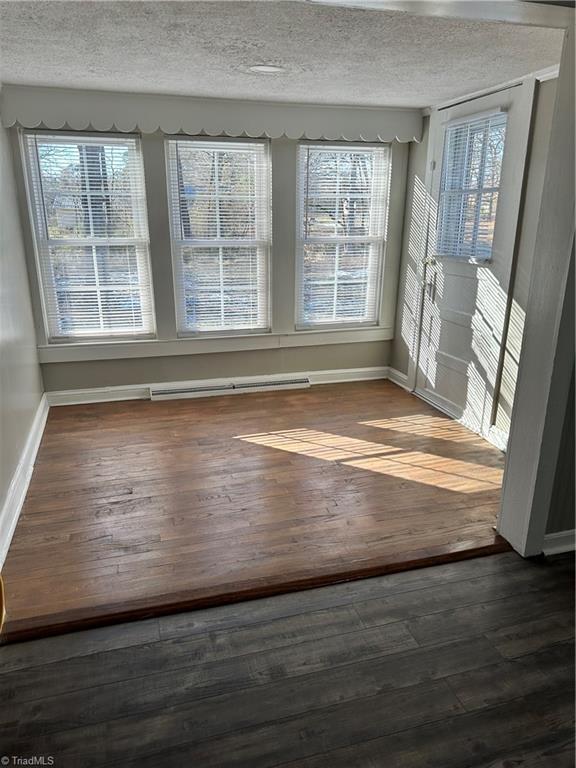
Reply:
x=470 y=186
x=88 y=206
x=220 y=205
x=343 y=209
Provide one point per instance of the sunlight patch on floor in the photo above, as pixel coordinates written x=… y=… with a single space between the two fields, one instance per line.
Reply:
x=318 y=445
x=417 y=466
x=426 y=426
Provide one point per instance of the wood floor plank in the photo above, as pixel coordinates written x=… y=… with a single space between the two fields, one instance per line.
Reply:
x=139 y=508
x=200 y=653
x=485 y=617
x=264 y=697
x=256 y=745
x=552 y=668
x=534 y=634
x=493 y=738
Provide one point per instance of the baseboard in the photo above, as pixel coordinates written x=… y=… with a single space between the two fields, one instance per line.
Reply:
x=498 y=438
x=557 y=543
x=98 y=395
x=399 y=378
x=346 y=374
x=142 y=391
x=442 y=404
x=21 y=479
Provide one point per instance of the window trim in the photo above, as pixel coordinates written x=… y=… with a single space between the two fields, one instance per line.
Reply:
x=183 y=333
x=300 y=241
x=30 y=167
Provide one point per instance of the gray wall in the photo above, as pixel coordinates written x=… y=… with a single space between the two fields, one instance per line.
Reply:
x=20 y=379
x=150 y=370
x=412 y=252
x=562 y=507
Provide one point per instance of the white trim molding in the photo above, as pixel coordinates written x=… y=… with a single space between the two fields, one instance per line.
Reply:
x=142 y=391
x=557 y=543
x=198 y=345
x=399 y=378
x=21 y=479
x=55 y=108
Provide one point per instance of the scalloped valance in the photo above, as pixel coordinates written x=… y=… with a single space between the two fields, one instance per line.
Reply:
x=54 y=108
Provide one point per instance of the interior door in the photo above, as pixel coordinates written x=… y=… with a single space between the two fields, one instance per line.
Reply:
x=464 y=302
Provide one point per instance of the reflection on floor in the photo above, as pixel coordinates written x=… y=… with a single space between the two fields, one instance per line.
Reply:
x=138 y=508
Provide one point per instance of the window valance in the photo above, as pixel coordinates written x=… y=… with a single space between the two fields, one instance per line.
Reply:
x=56 y=108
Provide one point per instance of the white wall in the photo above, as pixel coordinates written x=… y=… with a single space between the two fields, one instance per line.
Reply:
x=20 y=379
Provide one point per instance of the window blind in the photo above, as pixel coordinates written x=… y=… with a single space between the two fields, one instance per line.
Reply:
x=470 y=186
x=220 y=205
x=88 y=207
x=343 y=208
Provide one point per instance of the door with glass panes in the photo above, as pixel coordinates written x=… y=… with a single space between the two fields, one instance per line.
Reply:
x=476 y=156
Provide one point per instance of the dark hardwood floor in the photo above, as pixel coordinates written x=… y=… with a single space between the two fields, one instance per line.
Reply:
x=138 y=508
x=464 y=665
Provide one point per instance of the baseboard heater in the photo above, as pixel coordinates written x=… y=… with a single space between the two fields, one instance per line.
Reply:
x=231 y=388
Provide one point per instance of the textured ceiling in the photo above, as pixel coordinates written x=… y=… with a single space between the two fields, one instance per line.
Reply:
x=332 y=55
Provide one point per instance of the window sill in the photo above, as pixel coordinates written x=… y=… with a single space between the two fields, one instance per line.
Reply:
x=116 y=350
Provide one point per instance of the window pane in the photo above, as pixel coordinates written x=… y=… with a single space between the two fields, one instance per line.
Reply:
x=78 y=313
x=117 y=265
x=72 y=267
x=220 y=211
x=120 y=309
x=224 y=288
x=343 y=210
x=470 y=182
x=339 y=282
x=87 y=189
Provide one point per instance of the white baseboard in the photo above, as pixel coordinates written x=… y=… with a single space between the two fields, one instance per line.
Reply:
x=142 y=391
x=346 y=374
x=442 y=404
x=397 y=377
x=498 y=438
x=98 y=395
x=21 y=479
x=557 y=543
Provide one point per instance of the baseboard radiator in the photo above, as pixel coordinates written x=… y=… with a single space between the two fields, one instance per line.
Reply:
x=229 y=388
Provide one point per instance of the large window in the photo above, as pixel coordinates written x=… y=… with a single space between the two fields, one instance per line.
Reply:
x=220 y=203
x=470 y=185
x=89 y=211
x=343 y=202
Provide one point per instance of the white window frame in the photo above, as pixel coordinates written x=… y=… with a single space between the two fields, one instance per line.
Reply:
x=177 y=242
x=41 y=240
x=301 y=240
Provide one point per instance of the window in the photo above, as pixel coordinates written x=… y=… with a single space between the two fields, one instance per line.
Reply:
x=470 y=185
x=220 y=201
x=89 y=212
x=343 y=202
